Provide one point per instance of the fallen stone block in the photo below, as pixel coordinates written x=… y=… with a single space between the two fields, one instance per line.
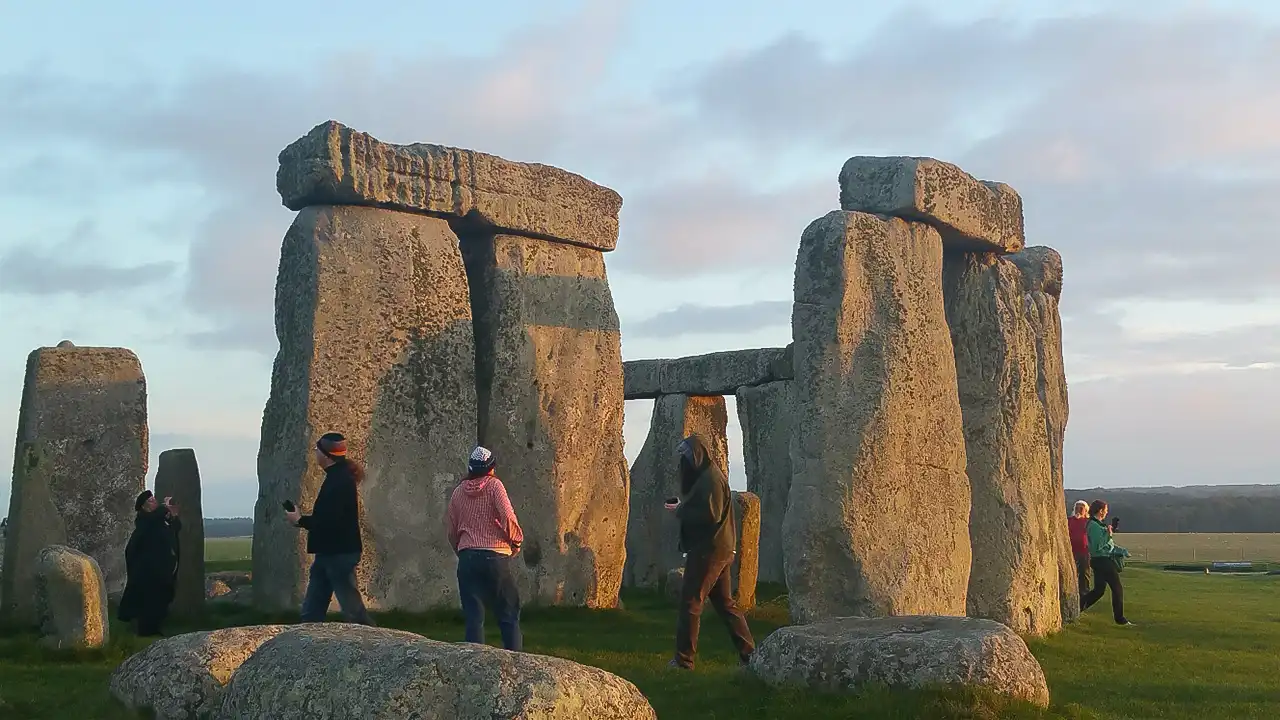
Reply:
x=184 y=676
x=70 y=599
x=336 y=165
x=971 y=214
x=907 y=652
x=337 y=671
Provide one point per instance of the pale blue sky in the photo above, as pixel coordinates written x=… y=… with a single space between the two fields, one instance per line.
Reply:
x=138 y=143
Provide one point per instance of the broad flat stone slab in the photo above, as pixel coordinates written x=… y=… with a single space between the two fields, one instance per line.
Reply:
x=336 y=671
x=653 y=532
x=971 y=214
x=185 y=676
x=746 y=561
x=911 y=652
x=70 y=599
x=178 y=476
x=876 y=430
x=720 y=373
x=550 y=397
x=1042 y=276
x=86 y=409
x=336 y=165
x=1013 y=517
x=764 y=413
x=376 y=342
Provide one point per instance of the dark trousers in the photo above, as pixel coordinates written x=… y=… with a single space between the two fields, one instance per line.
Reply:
x=1082 y=572
x=334 y=575
x=485 y=581
x=1106 y=574
x=707 y=577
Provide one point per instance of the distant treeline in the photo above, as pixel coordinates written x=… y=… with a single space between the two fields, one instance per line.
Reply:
x=228 y=527
x=1200 y=508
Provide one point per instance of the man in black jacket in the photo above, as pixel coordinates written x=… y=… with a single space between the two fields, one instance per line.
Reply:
x=708 y=538
x=333 y=535
x=151 y=560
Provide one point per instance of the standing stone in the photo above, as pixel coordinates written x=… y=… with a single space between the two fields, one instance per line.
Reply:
x=653 y=532
x=375 y=333
x=765 y=415
x=549 y=386
x=1014 y=578
x=86 y=407
x=746 y=562
x=877 y=518
x=70 y=599
x=179 y=477
x=1042 y=275
x=35 y=524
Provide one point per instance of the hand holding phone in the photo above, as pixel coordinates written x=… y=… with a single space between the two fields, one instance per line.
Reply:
x=288 y=505
x=671 y=503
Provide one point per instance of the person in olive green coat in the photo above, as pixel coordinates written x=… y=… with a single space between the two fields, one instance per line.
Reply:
x=708 y=538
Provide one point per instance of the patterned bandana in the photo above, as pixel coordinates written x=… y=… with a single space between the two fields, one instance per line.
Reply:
x=481 y=459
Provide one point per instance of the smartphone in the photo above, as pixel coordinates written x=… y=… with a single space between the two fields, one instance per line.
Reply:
x=288 y=505
x=1115 y=523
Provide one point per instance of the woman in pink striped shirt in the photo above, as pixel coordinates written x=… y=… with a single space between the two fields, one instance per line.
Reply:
x=486 y=535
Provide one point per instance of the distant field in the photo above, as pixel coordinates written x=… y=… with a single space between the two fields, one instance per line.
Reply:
x=227 y=553
x=1208 y=547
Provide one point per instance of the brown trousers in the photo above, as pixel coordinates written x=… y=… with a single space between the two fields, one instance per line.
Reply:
x=707 y=577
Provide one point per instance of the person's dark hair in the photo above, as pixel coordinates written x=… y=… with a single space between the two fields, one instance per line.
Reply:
x=1096 y=507
x=334 y=447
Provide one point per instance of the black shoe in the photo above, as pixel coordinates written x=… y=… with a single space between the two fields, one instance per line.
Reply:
x=675 y=665
x=1124 y=623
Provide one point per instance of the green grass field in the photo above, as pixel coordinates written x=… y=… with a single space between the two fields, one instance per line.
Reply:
x=1201 y=547
x=1204 y=647
x=227 y=554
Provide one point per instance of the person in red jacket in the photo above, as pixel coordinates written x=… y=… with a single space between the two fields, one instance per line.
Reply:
x=1078 y=525
x=486 y=535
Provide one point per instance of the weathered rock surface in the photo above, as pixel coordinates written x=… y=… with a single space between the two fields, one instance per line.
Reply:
x=674 y=583
x=336 y=165
x=877 y=519
x=653 y=532
x=550 y=396
x=376 y=342
x=971 y=214
x=746 y=563
x=764 y=412
x=912 y=652
x=178 y=476
x=720 y=373
x=86 y=408
x=185 y=676
x=333 y=671
x=70 y=599
x=1042 y=274
x=1012 y=520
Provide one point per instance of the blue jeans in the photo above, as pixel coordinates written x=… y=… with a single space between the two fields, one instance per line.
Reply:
x=485 y=581
x=334 y=575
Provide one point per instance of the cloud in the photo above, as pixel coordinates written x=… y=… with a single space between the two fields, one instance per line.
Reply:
x=712 y=319
x=54 y=270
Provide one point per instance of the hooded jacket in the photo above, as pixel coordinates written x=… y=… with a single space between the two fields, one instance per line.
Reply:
x=481 y=517
x=706 y=508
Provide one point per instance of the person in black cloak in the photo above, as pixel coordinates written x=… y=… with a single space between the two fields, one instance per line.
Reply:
x=151 y=560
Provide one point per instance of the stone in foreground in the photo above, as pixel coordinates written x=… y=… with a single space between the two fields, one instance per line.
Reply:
x=971 y=214
x=746 y=561
x=337 y=671
x=336 y=165
x=653 y=532
x=70 y=599
x=34 y=524
x=1013 y=519
x=86 y=409
x=549 y=385
x=764 y=412
x=376 y=342
x=185 y=676
x=877 y=519
x=908 y=652
x=720 y=373
x=178 y=476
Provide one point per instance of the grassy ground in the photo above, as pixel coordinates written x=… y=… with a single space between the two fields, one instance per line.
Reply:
x=227 y=554
x=1204 y=647
x=1201 y=547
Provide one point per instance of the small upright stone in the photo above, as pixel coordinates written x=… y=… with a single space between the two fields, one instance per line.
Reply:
x=70 y=599
x=746 y=562
x=179 y=477
x=336 y=165
x=34 y=524
x=764 y=413
x=971 y=214
x=653 y=532
x=86 y=408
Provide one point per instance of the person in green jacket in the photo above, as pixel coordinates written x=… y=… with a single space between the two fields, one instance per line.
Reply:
x=1103 y=552
x=709 y=540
